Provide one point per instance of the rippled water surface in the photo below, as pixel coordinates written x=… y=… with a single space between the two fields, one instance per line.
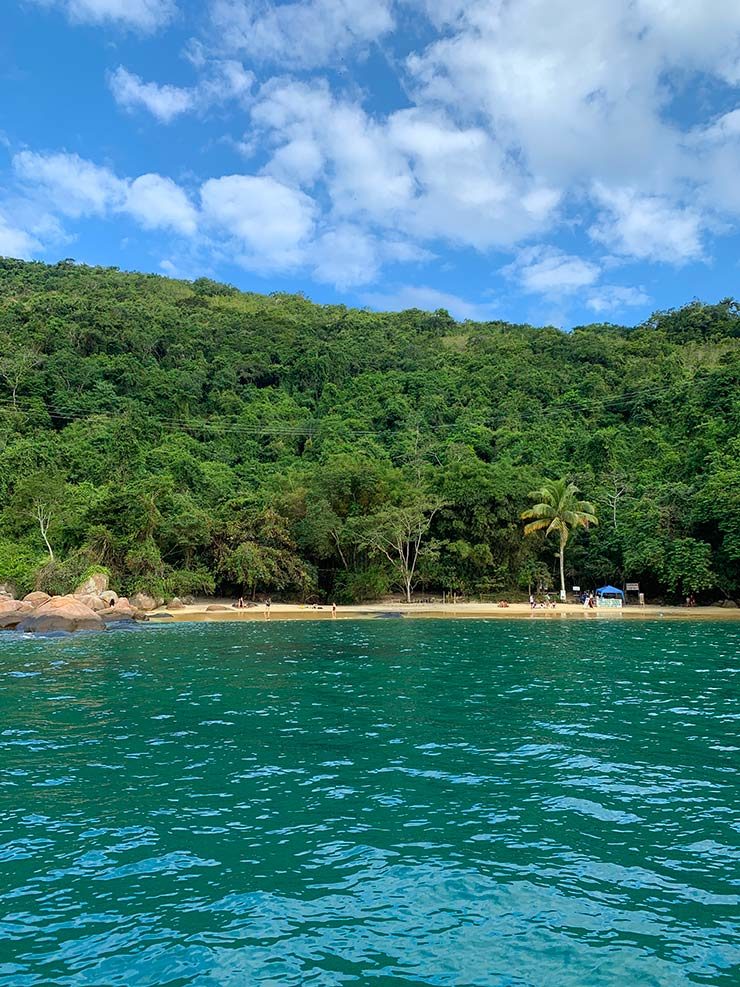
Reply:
x=372 y=802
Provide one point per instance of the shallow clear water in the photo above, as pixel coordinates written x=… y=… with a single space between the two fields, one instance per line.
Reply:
x=372 y=802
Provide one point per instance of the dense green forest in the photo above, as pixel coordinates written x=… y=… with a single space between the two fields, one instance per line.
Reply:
x=192 y=438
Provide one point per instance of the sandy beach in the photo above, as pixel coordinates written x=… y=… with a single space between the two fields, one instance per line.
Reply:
x=295 y=611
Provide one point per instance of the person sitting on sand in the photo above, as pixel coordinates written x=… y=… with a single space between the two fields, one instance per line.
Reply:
x=503 y=603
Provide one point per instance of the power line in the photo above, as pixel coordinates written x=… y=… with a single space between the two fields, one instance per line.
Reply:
x=310 y=430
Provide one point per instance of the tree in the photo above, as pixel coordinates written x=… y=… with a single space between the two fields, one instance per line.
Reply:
x=16 y=363
x=41 y=497
x=397 y=533
x=558 y=510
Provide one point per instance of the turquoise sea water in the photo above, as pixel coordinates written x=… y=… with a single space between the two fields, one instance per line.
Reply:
x=372 y=802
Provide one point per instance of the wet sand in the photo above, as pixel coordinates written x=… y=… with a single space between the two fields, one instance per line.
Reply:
x=296 y=611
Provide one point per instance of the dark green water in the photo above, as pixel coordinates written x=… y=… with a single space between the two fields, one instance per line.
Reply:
x=372 y=802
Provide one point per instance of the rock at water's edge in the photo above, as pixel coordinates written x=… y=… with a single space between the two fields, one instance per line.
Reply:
x=61 y=613
x=12 y=613
x=121 y=611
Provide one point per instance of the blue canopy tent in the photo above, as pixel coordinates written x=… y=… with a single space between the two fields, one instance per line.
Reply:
x=609 y=596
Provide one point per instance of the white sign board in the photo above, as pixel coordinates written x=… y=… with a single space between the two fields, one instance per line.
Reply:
x=576 y=589
x=633 y=587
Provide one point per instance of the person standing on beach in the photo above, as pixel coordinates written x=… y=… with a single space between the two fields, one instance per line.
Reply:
x=333 y=609
x=267 y=608
x=532 y=601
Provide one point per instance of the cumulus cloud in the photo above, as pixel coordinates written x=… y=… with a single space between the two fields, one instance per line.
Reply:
x=613 y=298
x=307 y=33
x=224 y=79
x=647 y=227
x=517 y=120
x=555 y=275
x=75 y=187
x=413 y=171
x=270 y=223
x=157 y=202
x=15 y=242
x=163 y=102
x=549 y=271
x=144 y=15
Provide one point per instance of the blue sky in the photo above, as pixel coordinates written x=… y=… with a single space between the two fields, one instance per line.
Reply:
x=529 y=160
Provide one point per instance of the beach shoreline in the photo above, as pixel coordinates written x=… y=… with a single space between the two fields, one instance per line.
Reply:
x=198 y=612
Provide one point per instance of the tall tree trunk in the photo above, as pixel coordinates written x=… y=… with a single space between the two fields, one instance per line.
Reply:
x=562 y=572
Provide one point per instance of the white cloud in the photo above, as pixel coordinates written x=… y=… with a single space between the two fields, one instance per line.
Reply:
x=222 y=79
x=16 y=242
x=613 y=298
x=553 y=274
x=157 y=202
x=428 y=299
x=581 y=96
x=649 y=228
x=307 y=33
x=518 y=118
x=70 y=185
x=74 y=186
x=271 y=222
x=415 y=171
x=299 y=161
x=346 y=257
x=163 y=102
x=144 y=15
x=549 y=271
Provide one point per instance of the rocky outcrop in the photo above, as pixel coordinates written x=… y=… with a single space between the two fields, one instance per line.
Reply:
x=142 y=601
x=40 y=613
x=12 y=613
x=93 y=585
x=7 y=590
x=109 y=596
x=175 y=604
x=217 y=607
x=122 y=610
x=61 y=613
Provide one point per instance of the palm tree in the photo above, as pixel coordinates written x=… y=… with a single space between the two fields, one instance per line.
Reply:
x=558 y=509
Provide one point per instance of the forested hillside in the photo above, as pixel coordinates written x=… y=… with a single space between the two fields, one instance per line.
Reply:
x=189 y=437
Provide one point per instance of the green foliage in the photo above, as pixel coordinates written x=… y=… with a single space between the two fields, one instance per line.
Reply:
x=58 y=578
x=19 y=563
x=194 y=438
